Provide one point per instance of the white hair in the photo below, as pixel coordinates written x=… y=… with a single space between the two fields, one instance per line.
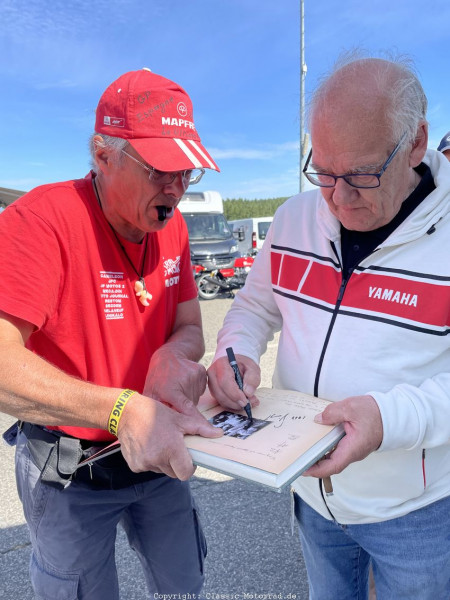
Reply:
x=396 y=79
x=116 y=144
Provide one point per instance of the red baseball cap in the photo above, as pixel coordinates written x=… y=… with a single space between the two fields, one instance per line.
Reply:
x=155 y=115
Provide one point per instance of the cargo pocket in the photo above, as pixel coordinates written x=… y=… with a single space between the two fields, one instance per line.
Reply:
x=32 y=493
x=52 y=585
x=201 y=540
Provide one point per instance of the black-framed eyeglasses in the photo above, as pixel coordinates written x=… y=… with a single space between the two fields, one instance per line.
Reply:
x=189 y=176
x=357 y=180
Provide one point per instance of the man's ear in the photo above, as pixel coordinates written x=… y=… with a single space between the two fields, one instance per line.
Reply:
x=100 y=152
x=420 y=145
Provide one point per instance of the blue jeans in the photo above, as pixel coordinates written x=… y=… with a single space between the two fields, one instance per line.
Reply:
x=73 y=534
x=410 y=556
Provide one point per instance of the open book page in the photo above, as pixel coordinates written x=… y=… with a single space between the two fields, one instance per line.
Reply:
x=289 y=432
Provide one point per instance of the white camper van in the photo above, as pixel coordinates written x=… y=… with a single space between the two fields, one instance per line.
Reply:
x=211 y=239
x=250 y=233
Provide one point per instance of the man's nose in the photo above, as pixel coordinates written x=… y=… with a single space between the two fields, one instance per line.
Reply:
x=177 y=187
x=343 y=193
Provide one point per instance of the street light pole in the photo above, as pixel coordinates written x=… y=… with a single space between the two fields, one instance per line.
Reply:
x=303 y=69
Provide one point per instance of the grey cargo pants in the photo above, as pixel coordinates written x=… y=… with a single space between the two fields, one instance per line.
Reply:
x=73 y=534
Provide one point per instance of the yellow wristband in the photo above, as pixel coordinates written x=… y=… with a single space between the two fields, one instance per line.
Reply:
x=116 y=413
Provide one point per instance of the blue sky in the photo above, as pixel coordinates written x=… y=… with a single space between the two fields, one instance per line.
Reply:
x=238 y=59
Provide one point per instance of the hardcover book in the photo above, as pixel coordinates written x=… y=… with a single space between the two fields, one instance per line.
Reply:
x=282 y=441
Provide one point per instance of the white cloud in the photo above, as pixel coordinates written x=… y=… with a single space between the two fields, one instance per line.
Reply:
x=268 y=152
x=58 y=18
x=283 y=184
x=62 y=84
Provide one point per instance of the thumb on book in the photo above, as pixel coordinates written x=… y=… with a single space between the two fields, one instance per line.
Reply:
x=198 y=425
x=333 y=414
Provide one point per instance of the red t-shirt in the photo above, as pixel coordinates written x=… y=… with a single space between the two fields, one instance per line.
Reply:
x=62 y=270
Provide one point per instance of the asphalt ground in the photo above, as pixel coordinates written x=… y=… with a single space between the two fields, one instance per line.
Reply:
x=252 y=554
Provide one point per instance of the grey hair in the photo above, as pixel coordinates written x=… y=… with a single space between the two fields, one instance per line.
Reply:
x=407 y=101
x=116 y=144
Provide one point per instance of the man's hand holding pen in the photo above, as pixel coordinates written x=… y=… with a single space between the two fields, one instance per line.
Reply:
x=222 y=382
x=238 y=378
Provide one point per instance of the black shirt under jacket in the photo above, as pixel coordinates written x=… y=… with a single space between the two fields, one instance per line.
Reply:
x=356 y=245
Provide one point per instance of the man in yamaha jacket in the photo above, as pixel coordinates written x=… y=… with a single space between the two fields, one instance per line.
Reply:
x=356 y=275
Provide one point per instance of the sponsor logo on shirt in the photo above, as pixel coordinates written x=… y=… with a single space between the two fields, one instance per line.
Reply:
x=171 y=268
x=113 y=293
x=393 y=296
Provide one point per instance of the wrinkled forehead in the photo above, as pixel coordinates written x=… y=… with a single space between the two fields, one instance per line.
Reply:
x=354 y=105
x=353 y=101
x=351 y=138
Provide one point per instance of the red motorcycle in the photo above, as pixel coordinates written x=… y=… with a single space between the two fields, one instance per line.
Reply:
x=210 y=284
x=197 y=271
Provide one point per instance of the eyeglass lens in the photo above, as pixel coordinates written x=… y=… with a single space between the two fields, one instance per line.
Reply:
x=363 y=181
x=190 y=175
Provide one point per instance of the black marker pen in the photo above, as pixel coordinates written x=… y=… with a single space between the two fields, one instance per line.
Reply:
x=238 y=377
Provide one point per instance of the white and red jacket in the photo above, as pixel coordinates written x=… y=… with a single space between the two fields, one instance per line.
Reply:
x=384 y=332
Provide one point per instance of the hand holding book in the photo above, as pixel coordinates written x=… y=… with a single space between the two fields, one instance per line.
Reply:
x=364 y=433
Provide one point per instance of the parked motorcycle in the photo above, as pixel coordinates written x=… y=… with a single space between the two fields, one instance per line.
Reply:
x=197 y=271
x=210 y=284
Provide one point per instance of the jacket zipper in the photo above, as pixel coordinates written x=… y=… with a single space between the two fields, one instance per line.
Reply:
x=335 y=313
x=424 y=475
x=333 y=319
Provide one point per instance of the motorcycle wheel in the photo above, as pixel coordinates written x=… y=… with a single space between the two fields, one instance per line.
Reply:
x=206 y=289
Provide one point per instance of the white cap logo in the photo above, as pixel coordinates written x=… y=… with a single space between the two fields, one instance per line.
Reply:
x=182 y=109
x=114 y=121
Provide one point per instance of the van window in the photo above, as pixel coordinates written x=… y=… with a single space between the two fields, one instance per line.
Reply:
x=207 y=226
x=263 y=227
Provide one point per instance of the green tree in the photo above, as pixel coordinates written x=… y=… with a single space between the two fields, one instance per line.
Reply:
x=240 y=208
